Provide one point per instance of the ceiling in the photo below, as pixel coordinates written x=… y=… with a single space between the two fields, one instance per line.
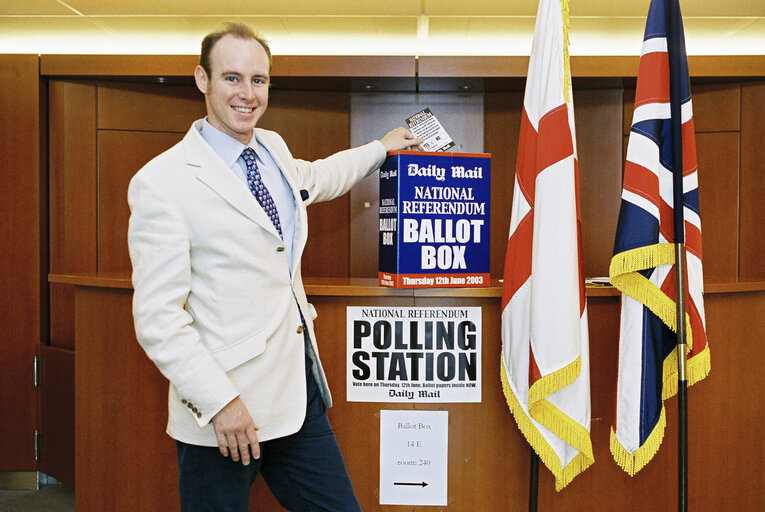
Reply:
x=360 y=27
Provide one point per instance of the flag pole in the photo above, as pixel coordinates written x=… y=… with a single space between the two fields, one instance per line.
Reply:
x=682 y=385
x=533 y=480
x=674 y=45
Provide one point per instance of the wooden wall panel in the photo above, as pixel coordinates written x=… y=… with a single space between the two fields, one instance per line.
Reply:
x=148 y=107
x=120 y=155
x=315 y=125
x=72 y=177
x=724 y=447
x=716 y=107
x=752 y=236
x=343 y=66
x=364 y=234
x=717 y=157
x=20 y=260
x=111 y=370
x=716 y=116
x=61 y=330
x=72 y=174
x=599 y=144
x=57 y=413
x=629 y=107
x=469 y=66
x=502 y=127
x=118 y=65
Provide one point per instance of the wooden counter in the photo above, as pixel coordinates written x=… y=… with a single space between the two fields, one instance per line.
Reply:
x=125 y=461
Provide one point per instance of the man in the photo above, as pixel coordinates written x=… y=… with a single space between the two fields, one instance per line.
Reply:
x=217 y=228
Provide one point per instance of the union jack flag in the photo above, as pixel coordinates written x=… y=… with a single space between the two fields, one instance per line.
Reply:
x=643 y=267
x=545 y=356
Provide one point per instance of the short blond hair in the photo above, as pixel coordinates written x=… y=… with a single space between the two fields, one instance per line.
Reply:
x=232 y=28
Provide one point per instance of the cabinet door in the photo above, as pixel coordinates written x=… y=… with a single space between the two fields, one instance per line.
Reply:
x=20 y=232
x=56 y=433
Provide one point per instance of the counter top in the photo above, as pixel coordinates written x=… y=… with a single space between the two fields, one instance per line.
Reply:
x=368 y=287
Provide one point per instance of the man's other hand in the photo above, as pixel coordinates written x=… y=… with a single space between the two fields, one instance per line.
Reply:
x=236 y=432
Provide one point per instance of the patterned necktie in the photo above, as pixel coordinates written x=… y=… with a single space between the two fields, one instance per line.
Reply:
x=259 y=190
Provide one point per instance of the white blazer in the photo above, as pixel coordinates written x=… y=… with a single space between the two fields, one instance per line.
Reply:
x=215 y=304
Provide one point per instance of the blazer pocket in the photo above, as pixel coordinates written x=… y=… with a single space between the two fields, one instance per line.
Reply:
x=238 y=353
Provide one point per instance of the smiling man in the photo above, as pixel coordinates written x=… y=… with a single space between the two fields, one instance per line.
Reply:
x=217 y=228
x=233 y=75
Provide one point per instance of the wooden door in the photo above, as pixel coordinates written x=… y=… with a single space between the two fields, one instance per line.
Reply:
x=21 y=230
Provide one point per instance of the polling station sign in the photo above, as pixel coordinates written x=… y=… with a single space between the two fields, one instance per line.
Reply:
x=434 y=220
x=413 y=354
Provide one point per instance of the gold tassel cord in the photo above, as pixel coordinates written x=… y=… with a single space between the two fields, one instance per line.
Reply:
x=566 y=62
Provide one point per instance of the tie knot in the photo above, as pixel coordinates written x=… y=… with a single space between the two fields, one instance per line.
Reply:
x=249 y=155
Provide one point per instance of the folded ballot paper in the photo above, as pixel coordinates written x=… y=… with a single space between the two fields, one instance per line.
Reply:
x=426 y=126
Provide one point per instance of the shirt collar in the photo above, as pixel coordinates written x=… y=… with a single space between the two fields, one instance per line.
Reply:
x=228 y=148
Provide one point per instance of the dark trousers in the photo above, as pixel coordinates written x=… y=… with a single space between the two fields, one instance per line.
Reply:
x=305 y=471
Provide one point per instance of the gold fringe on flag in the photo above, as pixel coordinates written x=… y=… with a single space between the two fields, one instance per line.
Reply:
x=560 y=424
x=553 y=418
x=698 y=368
x=634 y=462
x=642 y=258
x=624 y=276
x=556 y=381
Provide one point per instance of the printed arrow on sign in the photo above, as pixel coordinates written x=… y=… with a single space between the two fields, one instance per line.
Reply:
x=419 y=484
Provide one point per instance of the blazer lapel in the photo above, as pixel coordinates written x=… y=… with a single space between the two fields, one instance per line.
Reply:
x=301 y=219
x=214 y=173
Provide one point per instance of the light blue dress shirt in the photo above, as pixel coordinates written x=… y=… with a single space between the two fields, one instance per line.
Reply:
x=230 y=151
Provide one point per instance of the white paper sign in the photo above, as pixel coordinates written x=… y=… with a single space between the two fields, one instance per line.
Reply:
x=413 y=457
x=413 y=354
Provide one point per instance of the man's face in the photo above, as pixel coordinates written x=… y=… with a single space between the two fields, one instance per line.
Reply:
x=236 y=92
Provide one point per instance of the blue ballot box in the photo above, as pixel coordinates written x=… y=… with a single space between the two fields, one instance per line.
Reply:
x=434 y=220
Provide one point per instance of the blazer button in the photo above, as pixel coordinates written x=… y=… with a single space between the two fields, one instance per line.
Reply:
x=199 y=415
x=280 y=249
x=300 y=329
x=189 y=405
x=184 y=401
